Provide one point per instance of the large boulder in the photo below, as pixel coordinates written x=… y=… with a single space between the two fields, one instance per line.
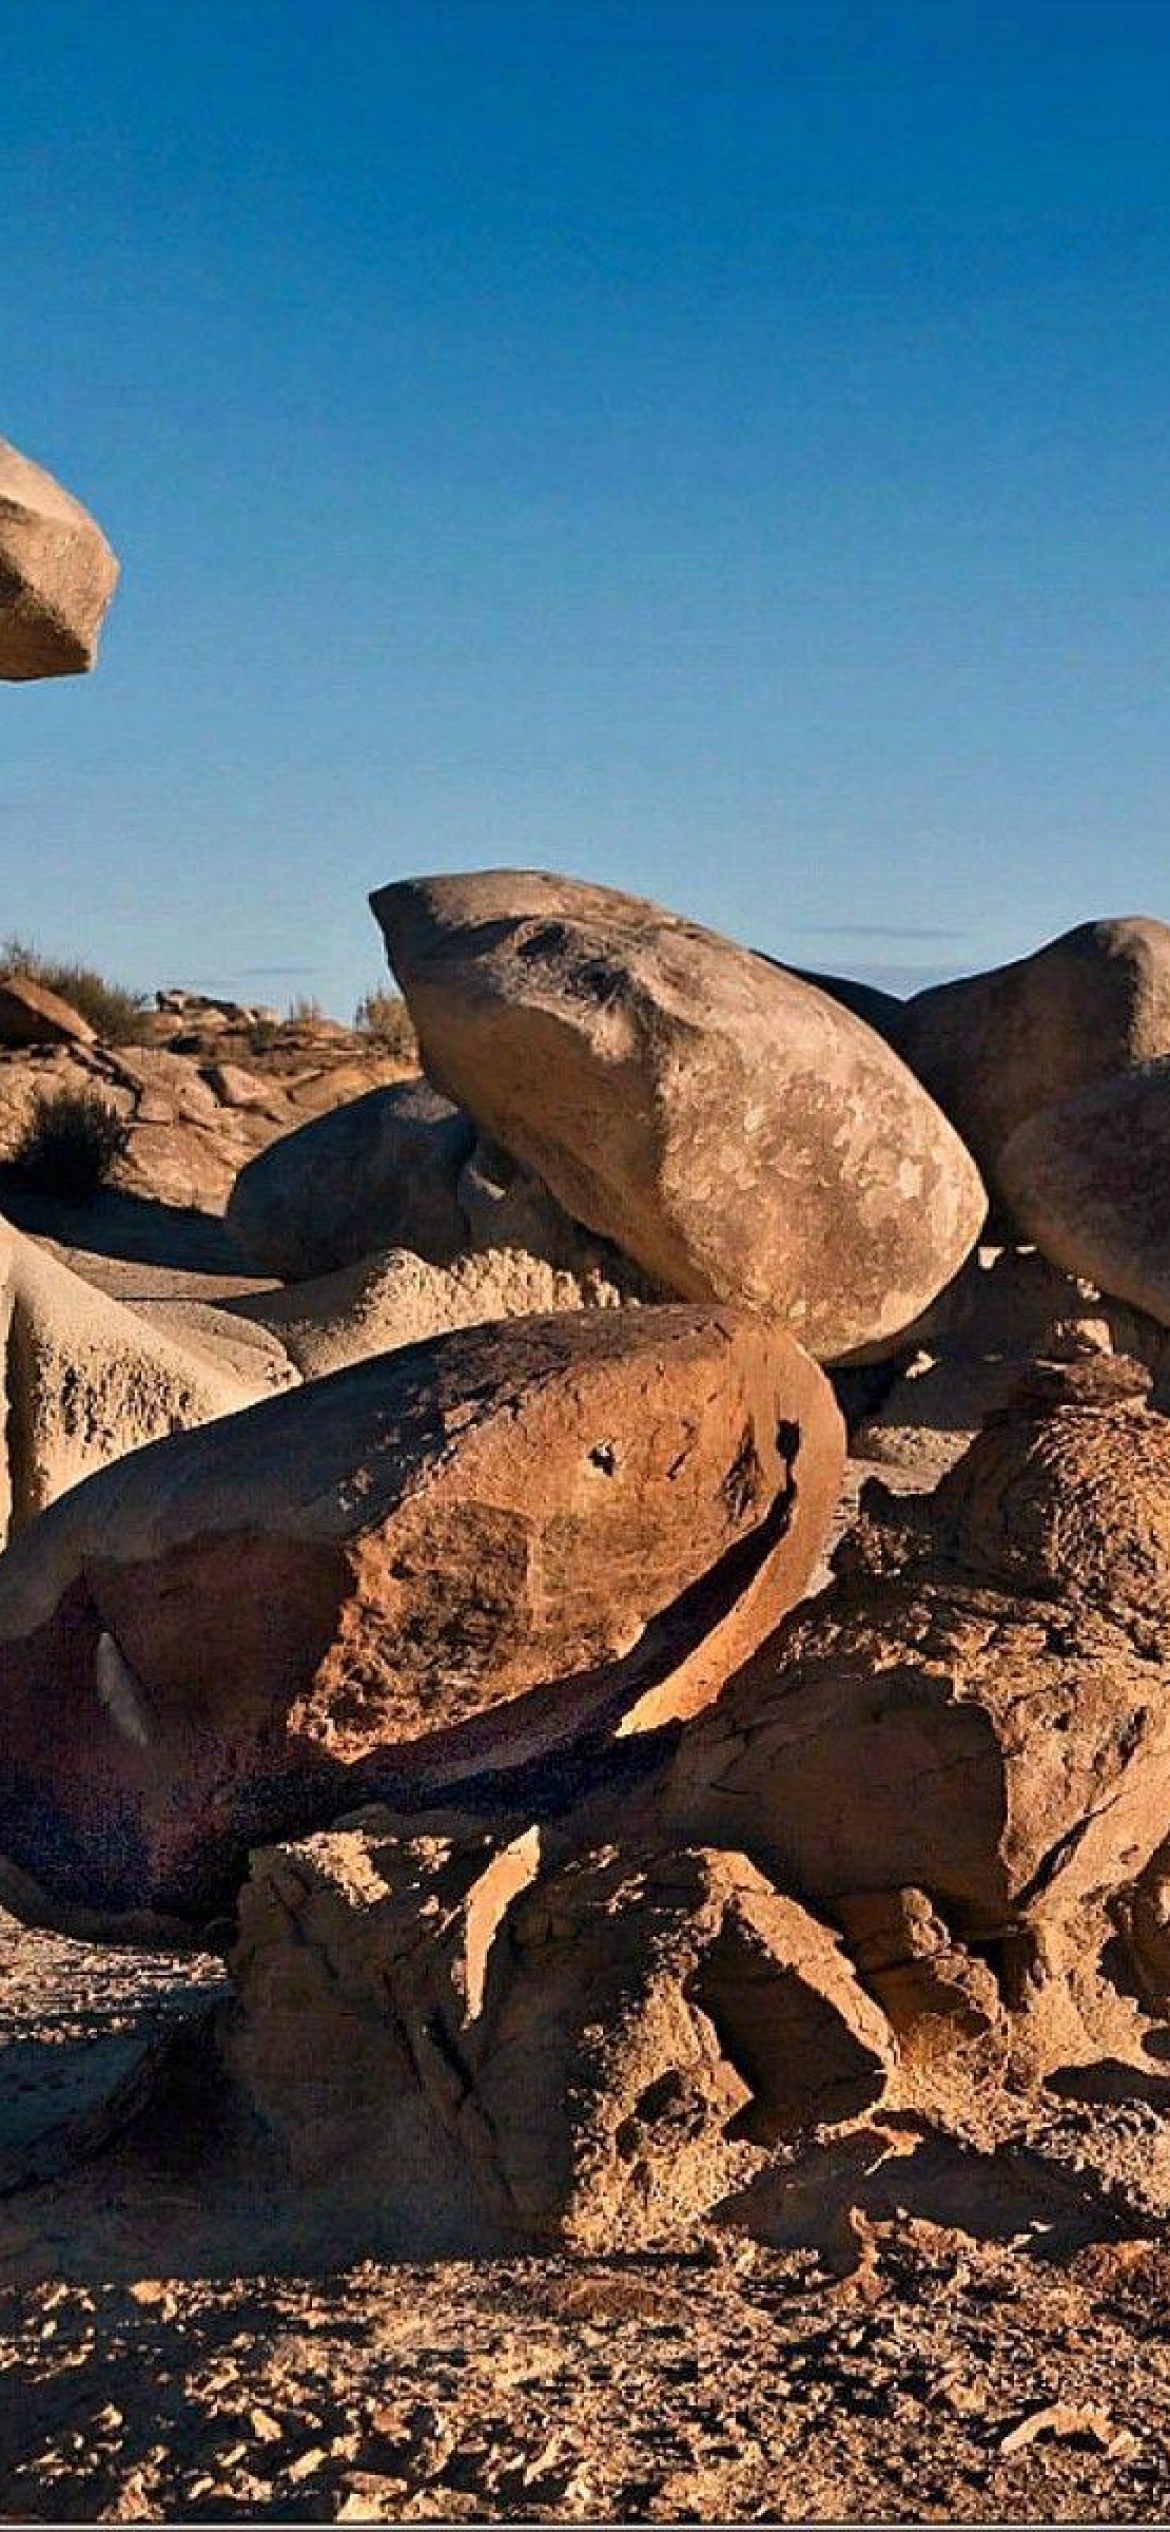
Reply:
x=378 y=1172
x=1088 y=1179
x=443 y=1563
x=735 y=1132
x=86 y=1380
x=486 y=2050
x=57 y=574
x=979 y=1710
x=994 y=1048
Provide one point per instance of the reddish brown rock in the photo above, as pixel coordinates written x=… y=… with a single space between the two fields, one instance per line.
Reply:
x=457 y=1558
x=980 y=1709
x=57 y=574
x=735 y=1132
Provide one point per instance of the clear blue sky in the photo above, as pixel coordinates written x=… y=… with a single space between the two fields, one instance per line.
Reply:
x=720 y=447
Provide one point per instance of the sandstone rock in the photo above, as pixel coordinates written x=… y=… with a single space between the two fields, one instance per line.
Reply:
x=733 y=1131
x=491 y=2054
x=1009 y=1308
x=57 y=574
x=398 y=1298
x=378 y=1172
x=1088 y=1179
x=979 y=1709
x=994 y=1048
x=449 y=1561
x=32 y=1016
x=87 y=1380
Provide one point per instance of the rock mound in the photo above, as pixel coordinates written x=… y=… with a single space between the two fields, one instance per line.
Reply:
x=732 y=1130
x=374 y=1173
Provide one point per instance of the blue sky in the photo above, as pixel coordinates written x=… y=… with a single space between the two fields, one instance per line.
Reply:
x=721 y=449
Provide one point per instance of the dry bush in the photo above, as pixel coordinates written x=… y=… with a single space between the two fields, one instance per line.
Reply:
x=70 y=1145
x=383 y=1015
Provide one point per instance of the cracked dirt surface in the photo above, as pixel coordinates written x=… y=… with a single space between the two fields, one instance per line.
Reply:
x=176 y=2342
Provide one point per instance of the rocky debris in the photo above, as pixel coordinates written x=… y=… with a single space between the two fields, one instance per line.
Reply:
x=375 y=1173
x=30 y=1015
x=977 y=1711
x=1007 y=1309
x=1088 y=1178
x=194 y=1118
x=86 y=1380
x=734 y=1132
x=441 y=1563
x=211 y=1010
x=994 y=1048
x=57 y=574
x=489 y=2053
x=399 y=1298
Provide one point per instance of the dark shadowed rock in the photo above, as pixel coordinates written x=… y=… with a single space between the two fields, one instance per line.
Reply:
x=735 y=1132
x=453 y=1560
x=1089 y=1180
x=30 y=1015
x=57 y=574
x=378 y=1172
x=994 y=1048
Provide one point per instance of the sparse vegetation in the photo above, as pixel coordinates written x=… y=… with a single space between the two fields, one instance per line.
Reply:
x=115 y=1011
x=305 y=1006
x=383 y=1015
x=71 y=1143
x=263 y=1036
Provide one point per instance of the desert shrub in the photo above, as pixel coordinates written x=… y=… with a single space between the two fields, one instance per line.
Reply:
x=70 y=1144
x=384 y=1015
x=305 y=1006
x=115 y=1011
x=263 y=1035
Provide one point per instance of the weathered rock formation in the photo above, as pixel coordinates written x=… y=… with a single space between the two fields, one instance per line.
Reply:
x=399 y=1298
x=733 y=1131
x=86 y=1380
x=492 y=2049
x=1089 y=1180
x=994 y=1048
x=451 y=1561
x=979 y=1710
x=57 y=574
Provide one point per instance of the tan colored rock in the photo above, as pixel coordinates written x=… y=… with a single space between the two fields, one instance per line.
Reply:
x=444 y=1562
x=376 y=1172
x=732 y=1130
x=979 y=1709
x=1007 y=1309
x=57 y=574
x=994 y=1048
x=399 y=1298
x=87 y=1380
x=30 y=1015
x=1088 y=1179
x=489 y=2054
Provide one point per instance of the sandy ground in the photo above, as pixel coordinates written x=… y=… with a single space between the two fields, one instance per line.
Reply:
x=170 y=2346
